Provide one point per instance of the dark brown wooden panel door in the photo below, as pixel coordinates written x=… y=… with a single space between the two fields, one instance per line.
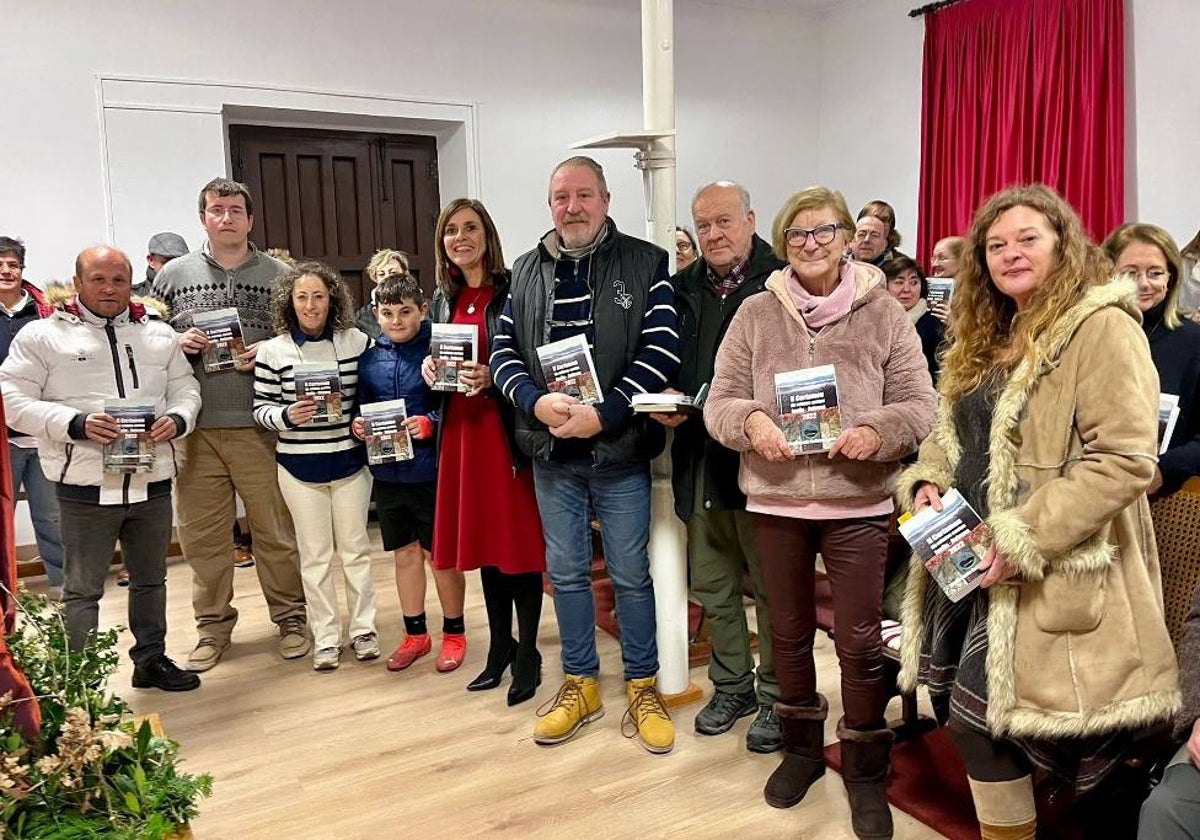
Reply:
x=409 y=201
x=338 y=197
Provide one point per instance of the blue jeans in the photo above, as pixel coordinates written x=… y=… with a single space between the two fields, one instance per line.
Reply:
x=620 y=496
x=43 y=508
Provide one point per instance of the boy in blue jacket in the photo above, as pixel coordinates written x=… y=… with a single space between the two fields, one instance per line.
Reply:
x=405 y=490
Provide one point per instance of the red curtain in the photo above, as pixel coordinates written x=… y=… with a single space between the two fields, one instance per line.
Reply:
x=1016 y=91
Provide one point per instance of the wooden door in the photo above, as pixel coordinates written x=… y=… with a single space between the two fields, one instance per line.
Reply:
x=339 y=196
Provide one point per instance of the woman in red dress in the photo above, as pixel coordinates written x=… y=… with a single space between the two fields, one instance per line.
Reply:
x=486 y=516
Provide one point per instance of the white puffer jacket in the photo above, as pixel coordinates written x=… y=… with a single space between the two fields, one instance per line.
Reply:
x=75 y=361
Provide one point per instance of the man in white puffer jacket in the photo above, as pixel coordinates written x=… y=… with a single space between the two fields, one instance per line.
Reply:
x=62 y=375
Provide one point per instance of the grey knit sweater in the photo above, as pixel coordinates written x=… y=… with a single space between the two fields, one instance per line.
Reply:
x=198 y=283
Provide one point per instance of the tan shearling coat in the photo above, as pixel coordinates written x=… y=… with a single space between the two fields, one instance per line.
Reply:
x=1077 y=643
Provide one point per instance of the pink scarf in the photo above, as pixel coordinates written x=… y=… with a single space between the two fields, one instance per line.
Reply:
x=821 y=311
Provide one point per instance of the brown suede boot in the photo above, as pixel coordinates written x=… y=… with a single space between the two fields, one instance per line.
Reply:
x=803 y=729
x=866 y=760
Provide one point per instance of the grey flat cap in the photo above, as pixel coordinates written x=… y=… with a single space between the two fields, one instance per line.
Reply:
x=167 y=245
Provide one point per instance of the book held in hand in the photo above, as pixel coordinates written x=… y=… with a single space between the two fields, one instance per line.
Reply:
x=662 y=404
x=133 y=451
x=224 y=330
x=941 y=289
x=450 y=345
x=569 y=369
x=323 y=384
x=387 y=438
x=950 y=543
x=808 y=408
x=1168 y=416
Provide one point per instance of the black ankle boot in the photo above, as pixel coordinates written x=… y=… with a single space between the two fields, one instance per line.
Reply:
x=499 y=657
x=527 y=675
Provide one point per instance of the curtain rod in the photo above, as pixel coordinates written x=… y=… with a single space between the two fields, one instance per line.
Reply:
x=932 y=7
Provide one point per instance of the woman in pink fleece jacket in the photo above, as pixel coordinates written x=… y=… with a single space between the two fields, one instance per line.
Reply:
x=823 y=309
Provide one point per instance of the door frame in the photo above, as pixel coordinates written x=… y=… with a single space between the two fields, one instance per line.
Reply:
x=215 y=105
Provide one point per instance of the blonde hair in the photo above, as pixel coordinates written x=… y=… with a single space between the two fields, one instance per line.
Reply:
x=990 y=334
x=956 y=245
x=382 y=257
x=809 y=198
x=1152 y=235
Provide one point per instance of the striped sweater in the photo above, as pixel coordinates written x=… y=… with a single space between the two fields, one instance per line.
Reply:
x=656 y=361
x=317 y=452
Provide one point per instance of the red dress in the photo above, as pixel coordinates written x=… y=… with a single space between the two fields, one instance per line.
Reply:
x=484 y=516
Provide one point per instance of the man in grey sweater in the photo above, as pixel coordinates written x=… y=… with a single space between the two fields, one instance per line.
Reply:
x=228 y=453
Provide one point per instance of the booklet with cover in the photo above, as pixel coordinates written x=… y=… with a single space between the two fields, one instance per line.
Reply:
x=133 y=451
x=323 y=384
x=569 y=369
x=941 y=289
x=224 y=330
x=387 y=437
x=808 y=408
x=1168 y=416
x=450 y=345
x=950 y=543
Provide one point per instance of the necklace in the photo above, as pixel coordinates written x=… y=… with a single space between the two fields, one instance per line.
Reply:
x=471 y=305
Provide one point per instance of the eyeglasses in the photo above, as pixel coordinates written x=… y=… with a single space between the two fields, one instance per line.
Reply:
x=222 y=212
x=1154 y=275
x=821 y=234
x=684 y=247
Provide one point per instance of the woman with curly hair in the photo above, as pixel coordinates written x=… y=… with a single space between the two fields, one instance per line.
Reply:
x=321 y=466
x=1048 y=428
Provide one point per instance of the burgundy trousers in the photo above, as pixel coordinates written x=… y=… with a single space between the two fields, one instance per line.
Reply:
x=854 y=552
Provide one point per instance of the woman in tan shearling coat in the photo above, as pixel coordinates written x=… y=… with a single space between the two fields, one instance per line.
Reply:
x=1048 y=427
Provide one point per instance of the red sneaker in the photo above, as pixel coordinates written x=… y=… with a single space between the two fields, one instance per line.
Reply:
x=412 y=649
x=454 y=651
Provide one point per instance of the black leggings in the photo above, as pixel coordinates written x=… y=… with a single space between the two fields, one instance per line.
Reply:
x=502 y=592
x=987 y=759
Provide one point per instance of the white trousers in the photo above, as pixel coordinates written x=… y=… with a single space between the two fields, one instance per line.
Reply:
x=331 y=521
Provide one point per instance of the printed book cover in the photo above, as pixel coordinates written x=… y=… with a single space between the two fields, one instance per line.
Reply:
x=941 y=289
x=323 y=384
x=808 y=408
x=450 y=345
x=224 y=330
x=133 y=451
x=569 y=369
x=950 y=542
x=387 y=438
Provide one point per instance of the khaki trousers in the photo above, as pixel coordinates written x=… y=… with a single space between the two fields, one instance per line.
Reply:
x=217 y=463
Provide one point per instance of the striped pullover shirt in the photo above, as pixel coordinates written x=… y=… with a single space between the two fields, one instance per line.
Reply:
x=317 y=452
x=655 y=364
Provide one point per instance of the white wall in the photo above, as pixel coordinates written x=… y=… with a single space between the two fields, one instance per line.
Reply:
x=871 y=107
x=870 y=127
x=540 y=74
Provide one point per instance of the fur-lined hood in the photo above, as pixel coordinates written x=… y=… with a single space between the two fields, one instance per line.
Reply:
x=62 y=296
x=1076 y=642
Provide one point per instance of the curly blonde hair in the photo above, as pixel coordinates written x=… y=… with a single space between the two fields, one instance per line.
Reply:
x=990 y=335
x=341 y=305
x=381 y=258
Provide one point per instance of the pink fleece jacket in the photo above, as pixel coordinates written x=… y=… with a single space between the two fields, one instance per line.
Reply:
x=883 y=382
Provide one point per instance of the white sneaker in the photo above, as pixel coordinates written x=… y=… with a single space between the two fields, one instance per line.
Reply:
x=326 y=659
x=365 y=647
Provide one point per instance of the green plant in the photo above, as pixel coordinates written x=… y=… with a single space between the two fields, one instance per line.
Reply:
x=89 y=773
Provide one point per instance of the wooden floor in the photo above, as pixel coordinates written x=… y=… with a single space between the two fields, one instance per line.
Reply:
x=364 y=753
